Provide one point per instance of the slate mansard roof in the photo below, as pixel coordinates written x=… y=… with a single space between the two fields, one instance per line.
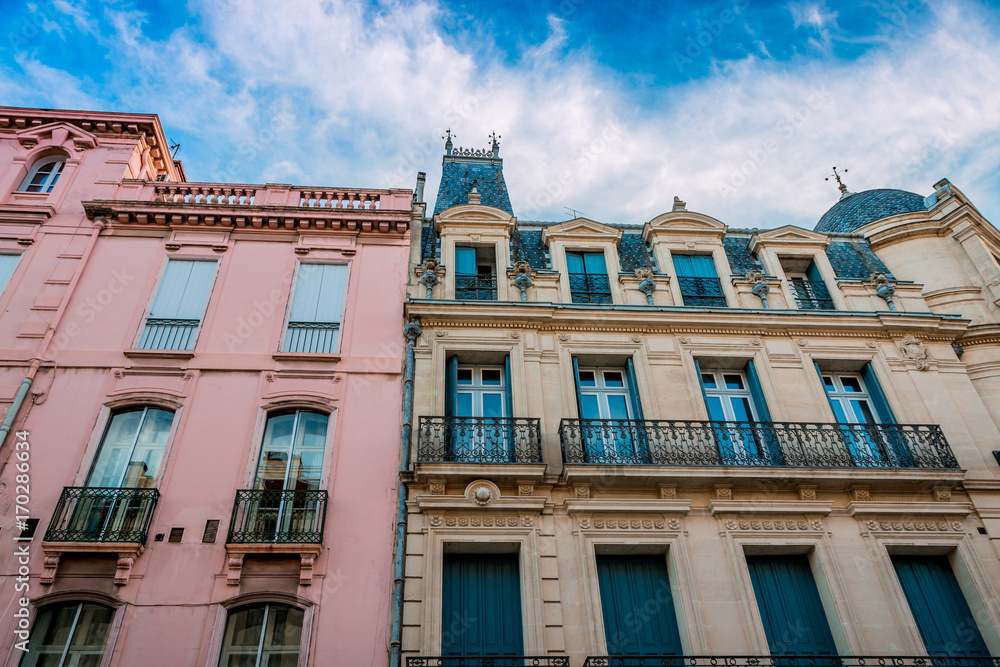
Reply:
x=459 y=175
x=857 y=210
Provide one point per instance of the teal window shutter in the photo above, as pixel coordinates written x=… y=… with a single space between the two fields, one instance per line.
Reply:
x=576 y=385
x=509 y=400
x=7 y=265
x=179 y=305
x=465 y=261
x=594 y=264
x=481 y=606
x=878 y=396
x=633 y=389
x=701 y=385
x=838 y=417
x=763 y=414
x=627 y=584
x=812 y=273
x=450 y=386
x=574 y=262
x=317 y=308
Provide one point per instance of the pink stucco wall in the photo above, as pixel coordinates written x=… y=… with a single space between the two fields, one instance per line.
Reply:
x=223 y=393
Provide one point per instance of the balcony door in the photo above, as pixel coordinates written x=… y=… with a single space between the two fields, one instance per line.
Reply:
x=290 y=466
x=742 y=428
x=481 y=606
x=475 y=273
x=859 y=404
x=588 y=277
x=479 y=429
x=609 y=410
x=638 y=606
x=128 y=461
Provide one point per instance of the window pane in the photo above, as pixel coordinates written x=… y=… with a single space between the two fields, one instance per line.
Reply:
x=587 y=379
x=50 y=636
x=828 y=383
x=863 y=412
x=617 y=407
x=115 y=449
x=492 y=377
x=591 y=409
x=7 y=265
x=307 y=455
x=493 y=405
x=613 y=379
x=145 y=462
x=464 y=376
x=708 y=379
x=733 y=381
x=838 y=412
x=715 y=411
x=242 y=639
x=130 y=457
x=741 y=409
x=91 y=634
x=275 y=452
x=851 y=384
x=463 y=405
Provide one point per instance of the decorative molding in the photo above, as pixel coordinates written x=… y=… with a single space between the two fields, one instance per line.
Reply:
x=526 y=489
x=629 y=523
x=928 y=526
x=860 y=494
x=807 y=492
x=581 y=492
x=755 y=507
x=436 y=488
x=668 y=491
x=798 y=525
x=912 y=349
x=723 y=492
x=900 y=510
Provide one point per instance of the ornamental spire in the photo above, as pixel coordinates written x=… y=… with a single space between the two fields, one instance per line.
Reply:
x=844 y=194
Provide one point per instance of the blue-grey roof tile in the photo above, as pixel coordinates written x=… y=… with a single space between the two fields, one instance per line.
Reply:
x=859 y=209
x=458 y=177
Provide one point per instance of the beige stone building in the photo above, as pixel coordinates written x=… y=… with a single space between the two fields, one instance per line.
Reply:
x=687 y=438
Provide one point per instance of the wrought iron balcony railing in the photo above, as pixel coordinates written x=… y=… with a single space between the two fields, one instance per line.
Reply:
x=168 y=334
x=589 y=288
x=478 y=440
x=711 y=443
x=477 y=287
x=87 y=514
x=789 y=661
x=278 y=517
x=811 y=294
x=488 y=661
x=705 y=292
x=311 y=337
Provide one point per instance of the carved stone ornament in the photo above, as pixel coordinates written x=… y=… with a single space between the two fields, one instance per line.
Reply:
x=583 y=492
x=779 y=524
x=482 y=495
x=755 y=275
x=437 y=488
x=723 y=493
x=642 y=273
x=430 y=265
x=880 y=279
x=630 y=524
x=563 y=337
x=435 y=520
x=521 y=267
x=932 y=525
x=525 y=489
x=912 y=348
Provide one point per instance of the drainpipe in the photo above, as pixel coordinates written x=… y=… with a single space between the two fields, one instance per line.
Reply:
x=36 y=362
x=411 y=331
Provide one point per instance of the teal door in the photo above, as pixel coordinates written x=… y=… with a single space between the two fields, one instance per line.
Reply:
x=789 y=604
x=638 y=608
x=939 y=608
x=481 y=606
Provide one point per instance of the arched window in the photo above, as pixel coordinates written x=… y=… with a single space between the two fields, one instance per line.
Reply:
x=131 y=448
x=43 y=174
x=262 y=635
x=69 y=635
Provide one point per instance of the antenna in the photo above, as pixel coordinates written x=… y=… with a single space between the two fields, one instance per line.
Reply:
x=576 y=213
x=174 y=148
x=840 y=183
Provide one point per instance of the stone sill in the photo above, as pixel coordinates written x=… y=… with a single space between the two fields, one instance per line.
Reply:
x=306 y=356
x=133 y=353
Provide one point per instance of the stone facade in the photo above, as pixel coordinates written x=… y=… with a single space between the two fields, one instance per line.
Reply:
x=934 y=353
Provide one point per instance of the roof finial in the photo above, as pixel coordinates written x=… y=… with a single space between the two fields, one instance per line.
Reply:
x=495 y=144
x=448 y=144
x=840 y=184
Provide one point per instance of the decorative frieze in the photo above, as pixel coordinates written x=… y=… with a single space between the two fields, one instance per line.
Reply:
x=775 y=524
x=589 y=523
x=940 y=525
x=480 y=521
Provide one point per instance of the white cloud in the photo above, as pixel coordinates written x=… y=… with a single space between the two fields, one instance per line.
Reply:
x=337 y=94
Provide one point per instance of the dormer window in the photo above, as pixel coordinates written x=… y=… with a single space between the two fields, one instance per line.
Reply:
x=588 y=277
x=475 y=273
x=806 y=284
x=699 y=282
x=43 y=174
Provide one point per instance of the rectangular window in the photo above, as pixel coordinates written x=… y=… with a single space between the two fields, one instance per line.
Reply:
x=699 y=283
x=742 y=429
x=628 y=585
x=174 y=319
x=478 y=409
x=943 y=617
x=481 y=606
x=790 y=607
x=806 y=283
x=475 y=273
x=588 y=277
x=858 y=402
x=317 y=308
x=7 y=265
x=611 y=424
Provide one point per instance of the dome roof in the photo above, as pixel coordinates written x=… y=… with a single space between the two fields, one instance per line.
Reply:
x=859 y=209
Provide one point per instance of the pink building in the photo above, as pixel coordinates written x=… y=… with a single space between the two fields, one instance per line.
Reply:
x=202 y=383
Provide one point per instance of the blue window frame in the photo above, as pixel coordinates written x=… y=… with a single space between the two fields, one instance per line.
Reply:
x=790 y=607
x=481 y=606
x=734 y=398
x=478 y=401
x=588 y=277
x=611 y=414
x=638 y=606
x=175 y=317
x=699 y=282
x=946 y=623
x=475 y=275
x=317 y=308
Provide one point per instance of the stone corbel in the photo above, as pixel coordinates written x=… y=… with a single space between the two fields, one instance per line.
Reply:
x=644 y=280
x=522 y=277
x=884 y=289
x=125 y=553
x=235 y=568
x=51 y=564
x=126 y=559
x=308 y=560
x=429 y=274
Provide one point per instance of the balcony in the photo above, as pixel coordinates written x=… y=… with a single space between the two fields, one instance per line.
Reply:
x=771 y=444
x=488 y=661
x=704 y=292
x=477 y=287
x=276 y=522
x=278 y=517
x=811 y=294
x=589 y=288
x=99 y=520
x=478 y=440
x=788 y=661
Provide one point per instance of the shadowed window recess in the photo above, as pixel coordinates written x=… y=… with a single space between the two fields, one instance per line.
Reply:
x=481 y=606
x=804 y=280
x=699 y=281
x=317 y=309
x=475 y=273
x=177 y=310
x=638 y=606
x=588 y=277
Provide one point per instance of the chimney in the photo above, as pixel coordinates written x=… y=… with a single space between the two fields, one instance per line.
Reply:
x=418 y=194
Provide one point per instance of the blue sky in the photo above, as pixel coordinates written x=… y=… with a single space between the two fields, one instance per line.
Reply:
x=740 y=107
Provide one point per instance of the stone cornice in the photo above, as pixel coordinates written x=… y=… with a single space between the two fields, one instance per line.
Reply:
x=152 y=214
x=675 y=319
